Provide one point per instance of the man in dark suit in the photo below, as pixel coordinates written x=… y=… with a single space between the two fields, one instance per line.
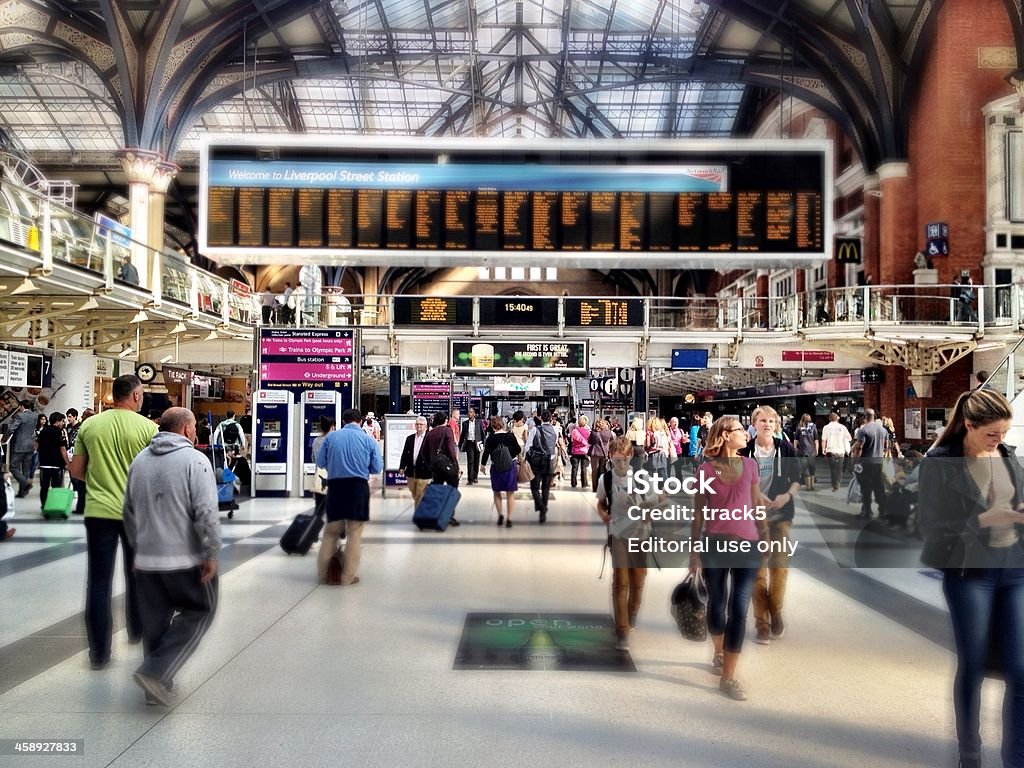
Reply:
x=415 y=465
x=472 y=435
x=441 y=439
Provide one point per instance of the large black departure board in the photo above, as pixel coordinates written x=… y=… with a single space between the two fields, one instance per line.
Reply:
x=604 y=313
x=655 y=198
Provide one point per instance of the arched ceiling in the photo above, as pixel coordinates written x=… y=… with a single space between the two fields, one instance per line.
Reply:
x=80 y=79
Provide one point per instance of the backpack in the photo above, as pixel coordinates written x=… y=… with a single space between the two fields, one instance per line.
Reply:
x=537 y=456
x=230 y=433
x=501 y=458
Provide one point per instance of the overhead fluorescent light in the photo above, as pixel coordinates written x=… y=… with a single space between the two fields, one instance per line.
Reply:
x=166 y=358
x=25 y=286
x=140 y=317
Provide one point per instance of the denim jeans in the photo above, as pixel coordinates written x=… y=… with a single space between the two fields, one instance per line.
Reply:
x=980 y=601
x=580 y=462
x=727 y=604
x=101 y=536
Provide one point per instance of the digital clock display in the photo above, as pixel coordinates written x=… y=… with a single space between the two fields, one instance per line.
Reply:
x=518 y=311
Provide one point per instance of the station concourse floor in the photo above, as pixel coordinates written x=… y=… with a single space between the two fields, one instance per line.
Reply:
x=296 y=674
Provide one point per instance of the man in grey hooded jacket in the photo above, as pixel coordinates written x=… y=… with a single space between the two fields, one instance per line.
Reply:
x=172 y=522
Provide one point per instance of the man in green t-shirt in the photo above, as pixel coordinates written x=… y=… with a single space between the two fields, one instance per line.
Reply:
x=105 y=447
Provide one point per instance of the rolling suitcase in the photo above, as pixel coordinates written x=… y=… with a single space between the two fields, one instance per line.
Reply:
x=436 y=508
x=302 y=533
x=58 y=503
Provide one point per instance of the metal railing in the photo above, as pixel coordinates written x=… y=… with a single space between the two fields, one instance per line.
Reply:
x=58 y=234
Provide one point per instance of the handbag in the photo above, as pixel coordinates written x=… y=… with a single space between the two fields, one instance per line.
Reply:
x=690 y=607
x=525 y=473
x=444 y=468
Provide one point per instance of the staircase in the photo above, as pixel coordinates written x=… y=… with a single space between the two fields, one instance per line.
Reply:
x=1008 y=378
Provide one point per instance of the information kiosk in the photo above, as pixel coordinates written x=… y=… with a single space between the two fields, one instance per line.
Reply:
x=273 y=425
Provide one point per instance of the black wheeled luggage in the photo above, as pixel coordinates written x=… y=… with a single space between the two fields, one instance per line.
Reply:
x=302 y=533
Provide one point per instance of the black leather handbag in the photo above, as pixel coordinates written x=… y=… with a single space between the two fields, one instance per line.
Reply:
x=690 y=607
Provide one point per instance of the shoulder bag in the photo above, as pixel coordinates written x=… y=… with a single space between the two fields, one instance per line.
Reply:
x=690 y=607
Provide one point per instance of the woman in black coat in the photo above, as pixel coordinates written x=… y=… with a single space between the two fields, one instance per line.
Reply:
x=970 y=500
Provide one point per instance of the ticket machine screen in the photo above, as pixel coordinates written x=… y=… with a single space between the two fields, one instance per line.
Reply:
x=272 y=427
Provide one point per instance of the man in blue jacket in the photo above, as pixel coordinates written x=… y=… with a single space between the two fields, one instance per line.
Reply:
x=173 y=524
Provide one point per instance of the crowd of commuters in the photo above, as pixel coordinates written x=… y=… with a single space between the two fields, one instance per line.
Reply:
x=969 y=514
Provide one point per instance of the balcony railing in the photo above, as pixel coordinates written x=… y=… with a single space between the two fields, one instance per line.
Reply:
x=57 y=234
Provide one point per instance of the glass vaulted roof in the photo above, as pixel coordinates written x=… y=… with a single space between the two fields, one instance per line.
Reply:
x=430 y=67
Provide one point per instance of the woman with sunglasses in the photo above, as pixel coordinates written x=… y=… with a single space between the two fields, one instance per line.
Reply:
x=729 y=574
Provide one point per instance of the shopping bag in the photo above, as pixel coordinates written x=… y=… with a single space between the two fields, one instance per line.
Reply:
x=853 y=496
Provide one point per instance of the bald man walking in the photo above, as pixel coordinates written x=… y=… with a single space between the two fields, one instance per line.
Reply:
x=172 y=521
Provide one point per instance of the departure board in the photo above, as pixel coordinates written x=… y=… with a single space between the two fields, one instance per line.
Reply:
x=749 y=220
x=280 y=217
x=808 y=220
x=515 y=219
x=603 y=217
x=661 y=203
x=488 y=235
x=398 y=218
x=251 y=216
x=574 y=221
x=661 y=214
x=433 y=310
x=690 y=221
x=720 y=222
x=457 y=219
x=428 y=218
x=369 y=217
x=545 y=221
x=340 y=218
x=631 y=221
x=222 y=216
x=604 y=313
x=779 y=212
x=311 y=217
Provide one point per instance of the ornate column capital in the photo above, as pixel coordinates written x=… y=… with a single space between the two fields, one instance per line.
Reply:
x=144 y=166
x=1016 y=79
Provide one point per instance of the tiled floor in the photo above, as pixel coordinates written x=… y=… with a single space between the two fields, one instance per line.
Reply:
x=296 y=674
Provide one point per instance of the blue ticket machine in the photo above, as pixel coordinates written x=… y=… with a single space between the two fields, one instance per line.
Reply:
x=273 y=425
x=316 y=403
